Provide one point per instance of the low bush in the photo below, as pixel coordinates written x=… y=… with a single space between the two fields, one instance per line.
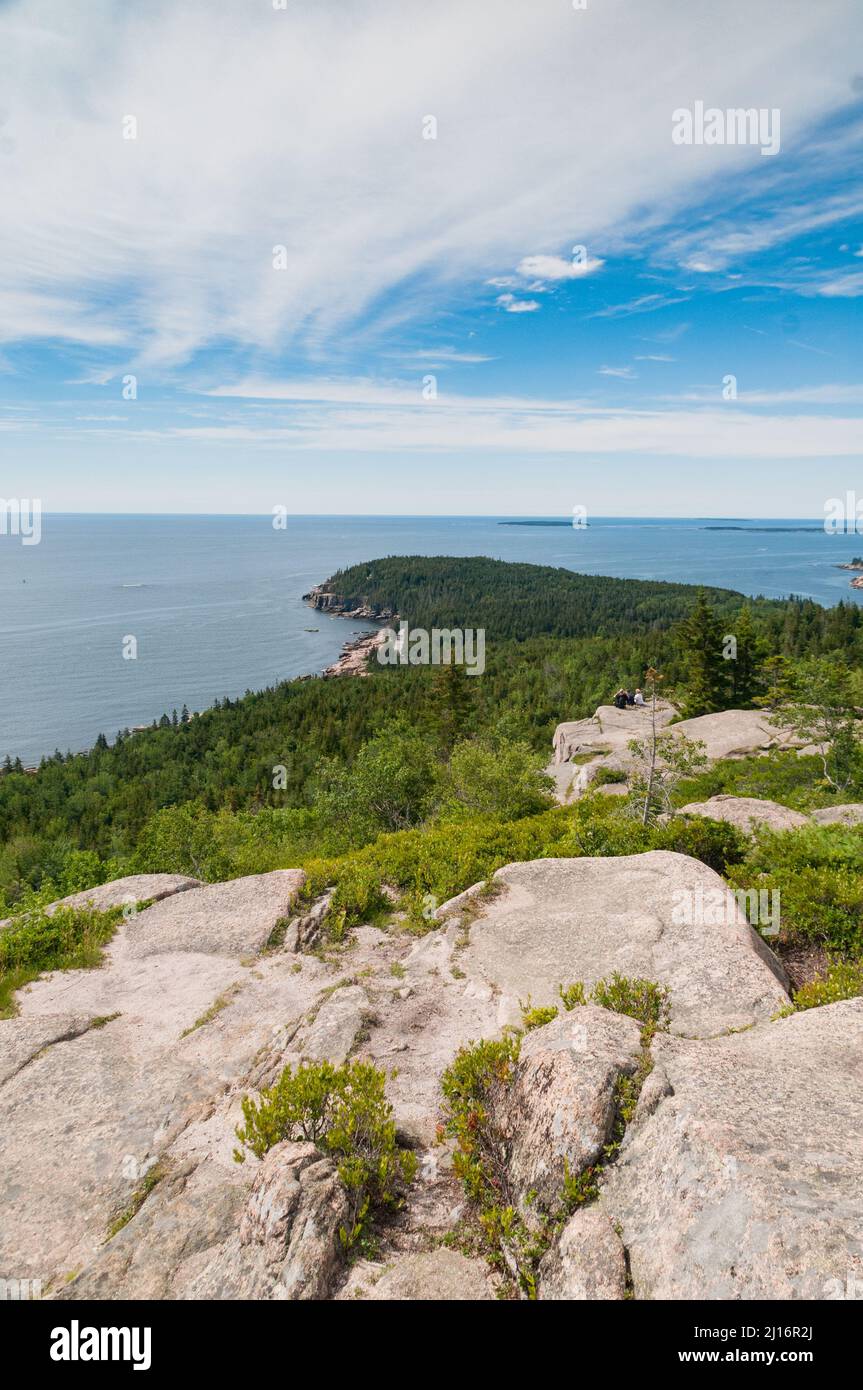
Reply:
x=68 y=939
x=818 y=871
x=344 y=1111
x=842 y=980
x=786 y=777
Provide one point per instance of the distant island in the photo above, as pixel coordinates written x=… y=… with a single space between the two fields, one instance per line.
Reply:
x=772 y=529
x=855 y=564
x=547 y=521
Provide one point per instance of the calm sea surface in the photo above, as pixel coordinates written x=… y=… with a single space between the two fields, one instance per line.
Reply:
x=215 y=602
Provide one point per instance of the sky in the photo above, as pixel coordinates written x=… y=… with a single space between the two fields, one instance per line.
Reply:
x=386 y=256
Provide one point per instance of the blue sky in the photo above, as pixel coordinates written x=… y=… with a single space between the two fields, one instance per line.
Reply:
x=433 y=343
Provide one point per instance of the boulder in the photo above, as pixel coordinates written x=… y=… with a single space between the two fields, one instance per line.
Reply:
x=736 y=733
x=608 y=730
x=555 y=921
x=851 y=814
x=292 y=1219
x=233 y=919
x=137 y=888
x=742 y=1178
x=561 y=1104
x=86 y=1111
x=267 y=1230
x=746 y=812
x=732 y=733
x=587 y=1262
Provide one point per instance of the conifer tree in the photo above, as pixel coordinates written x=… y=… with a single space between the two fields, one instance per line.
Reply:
x=746 y=665
x=452 y=701
x=700 y=640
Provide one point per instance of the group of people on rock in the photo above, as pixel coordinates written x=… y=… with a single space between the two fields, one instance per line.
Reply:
x=623 y=698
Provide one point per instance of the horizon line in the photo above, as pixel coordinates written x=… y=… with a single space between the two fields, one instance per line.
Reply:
x=451 y=516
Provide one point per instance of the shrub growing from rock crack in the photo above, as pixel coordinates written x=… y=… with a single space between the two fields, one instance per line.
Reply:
x=344 y=1111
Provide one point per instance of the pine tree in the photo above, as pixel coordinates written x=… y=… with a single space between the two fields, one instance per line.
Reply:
x=746 y=666
x=452 y=701
x=776 y=683
x=700 y=639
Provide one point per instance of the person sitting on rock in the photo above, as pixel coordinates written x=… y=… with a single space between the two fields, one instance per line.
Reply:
x=638 y=698
x=620 y=699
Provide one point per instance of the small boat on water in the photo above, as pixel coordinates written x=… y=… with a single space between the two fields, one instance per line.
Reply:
x=312 y=629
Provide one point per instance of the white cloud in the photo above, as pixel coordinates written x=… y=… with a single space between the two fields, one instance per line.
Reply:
x=303 y=128
x=556 y=268
x=363 y=416
x=517 y=306
x=443 y=355
x=643 y=304
x=625 y=373
x=839 y=286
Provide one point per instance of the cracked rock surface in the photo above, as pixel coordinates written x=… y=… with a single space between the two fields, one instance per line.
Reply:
x=738 y=1177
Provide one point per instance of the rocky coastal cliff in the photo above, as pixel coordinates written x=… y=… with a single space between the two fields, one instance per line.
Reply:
x=356 y=652
x=324 y=600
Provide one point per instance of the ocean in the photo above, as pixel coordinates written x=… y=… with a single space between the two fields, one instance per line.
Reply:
x=215 y=602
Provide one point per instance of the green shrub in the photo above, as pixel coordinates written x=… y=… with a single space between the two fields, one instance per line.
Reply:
x=818 y=870
x=496 y=777
x=69 y=939
x=716 y=843
x=344 y=1111
x=536 y=1018
x=472 y=1086
x=608 y=777
x=843 y=980
x=782 y=776
x=572 y=996
x=644 y=1000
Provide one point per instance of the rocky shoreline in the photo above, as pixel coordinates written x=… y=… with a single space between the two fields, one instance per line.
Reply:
x=355 y=655
x=356 y=652
x=855 y=564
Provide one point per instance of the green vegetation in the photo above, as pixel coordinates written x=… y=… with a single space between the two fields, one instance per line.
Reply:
x=219 y=1003
x=68 y=939
x=320 y=775
x=558 y=645
x=842 y=980
x=818 y=870
x=151 y=1179
x=474 y=1089
x=514 y=601
x=345 y=1113
x=648 y=1003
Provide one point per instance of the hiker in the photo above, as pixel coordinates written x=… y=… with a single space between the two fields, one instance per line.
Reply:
x=630 y=698
x=638 y=698
x=620 y=699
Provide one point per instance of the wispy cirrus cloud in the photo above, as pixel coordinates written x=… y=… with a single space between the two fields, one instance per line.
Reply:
x=295 y=128
x=362 y=415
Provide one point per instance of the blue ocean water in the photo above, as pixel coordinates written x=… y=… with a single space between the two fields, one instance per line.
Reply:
x=215 y=601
